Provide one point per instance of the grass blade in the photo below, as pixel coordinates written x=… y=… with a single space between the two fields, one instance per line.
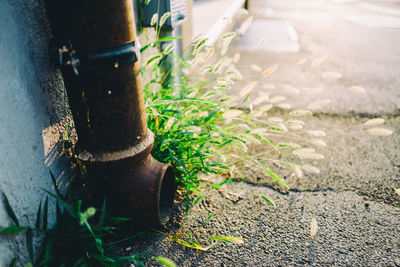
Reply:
x=168 y=38
x=13 y=230
x=103 y=213
x=187 y=244
x=197 y=200
x=58 y=213
x=187 y=202
x=38 y=215
x=45 y=213
x=224 y=182
x=269 y=201
x=125 y=239
x=273 y=175
x=55 y=184
x=47 y=252
x=66 y=206
x=211 y=115
x=179 y=60
x=13 y=262
x=265 y=140
x=9 y=209
x=153 y=59
x=179 y=162
x=29 y=243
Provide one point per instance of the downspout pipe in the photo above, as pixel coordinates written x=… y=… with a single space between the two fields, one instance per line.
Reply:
x=99 y=57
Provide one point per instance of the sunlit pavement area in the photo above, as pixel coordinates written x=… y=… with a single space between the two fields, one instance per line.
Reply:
x=345 y=55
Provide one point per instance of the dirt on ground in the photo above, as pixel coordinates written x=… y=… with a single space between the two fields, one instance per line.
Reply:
x=344 y=210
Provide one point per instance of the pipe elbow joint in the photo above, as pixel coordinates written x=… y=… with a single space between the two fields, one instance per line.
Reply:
x=142 y=189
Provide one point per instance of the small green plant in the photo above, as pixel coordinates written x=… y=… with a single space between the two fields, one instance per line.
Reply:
x=81 y=237
x=198 y=124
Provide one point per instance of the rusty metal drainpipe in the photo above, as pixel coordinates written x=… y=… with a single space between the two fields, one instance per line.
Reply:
x=99 y=56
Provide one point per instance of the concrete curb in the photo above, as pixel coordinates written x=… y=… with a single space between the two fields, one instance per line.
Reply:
x=220 y=26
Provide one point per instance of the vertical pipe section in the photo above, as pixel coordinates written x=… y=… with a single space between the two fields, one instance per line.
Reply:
x=100 y=65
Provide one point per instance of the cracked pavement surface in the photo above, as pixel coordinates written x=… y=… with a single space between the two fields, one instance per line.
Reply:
x=352 y=198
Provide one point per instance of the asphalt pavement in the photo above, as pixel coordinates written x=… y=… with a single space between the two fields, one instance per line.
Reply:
x=340 y=58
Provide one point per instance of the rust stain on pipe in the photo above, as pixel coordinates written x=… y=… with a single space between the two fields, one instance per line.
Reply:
x=107 y=104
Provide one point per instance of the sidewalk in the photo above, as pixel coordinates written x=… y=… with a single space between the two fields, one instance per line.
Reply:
x=350 y=202
x=212 y=17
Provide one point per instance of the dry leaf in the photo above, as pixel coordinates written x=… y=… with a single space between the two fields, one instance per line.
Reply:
x=313 y=228
x=331 y=75
x=318 y=61
x=236 y=58
x=314 y=91
x=358 y=89
x=397 y=190
x=316 y=133
x=265 y=107
x=246 y=24
x=298 y=172
x=268 y=71
x=311 y=169
x=374 y=122
x=290 y=89
x=380 y=131
x=261 y=99
x=255 y=67
x=318 y=104
x=277 y=99
x=284 y=105
x=318 y=142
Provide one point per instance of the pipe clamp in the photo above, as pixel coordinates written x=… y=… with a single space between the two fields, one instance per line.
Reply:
x=104 y=58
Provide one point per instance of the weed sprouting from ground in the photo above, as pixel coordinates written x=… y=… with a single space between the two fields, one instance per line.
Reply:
x=199 y=125
x=81 y=236
x=206 y=120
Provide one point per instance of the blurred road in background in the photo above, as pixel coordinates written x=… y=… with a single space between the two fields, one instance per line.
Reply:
x=340 y=44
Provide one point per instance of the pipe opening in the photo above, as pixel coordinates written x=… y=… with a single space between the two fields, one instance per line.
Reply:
x=167 y=193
